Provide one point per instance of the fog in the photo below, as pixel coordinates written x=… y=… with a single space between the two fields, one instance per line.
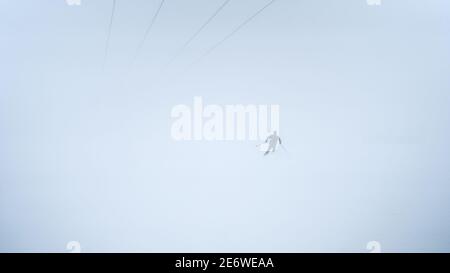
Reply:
x=86 y=152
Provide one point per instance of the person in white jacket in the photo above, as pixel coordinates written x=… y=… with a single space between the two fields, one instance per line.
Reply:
x=273 y=141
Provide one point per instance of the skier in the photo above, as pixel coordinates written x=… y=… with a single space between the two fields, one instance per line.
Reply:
x=273 y=141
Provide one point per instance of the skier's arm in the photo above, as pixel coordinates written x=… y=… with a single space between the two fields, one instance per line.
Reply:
x=279 y=139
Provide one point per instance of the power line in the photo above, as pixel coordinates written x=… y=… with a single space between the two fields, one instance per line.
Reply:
x=228 y=36
x=212 y=48
x=186 y=44
x=108 y=37
x=147 y=31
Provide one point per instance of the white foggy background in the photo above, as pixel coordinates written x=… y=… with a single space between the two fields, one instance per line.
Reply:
x=86 y=153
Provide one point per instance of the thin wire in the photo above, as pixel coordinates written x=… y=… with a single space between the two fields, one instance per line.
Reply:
x=108 y=38
x=147 y=31
x=187 y=43
x=212 y=48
